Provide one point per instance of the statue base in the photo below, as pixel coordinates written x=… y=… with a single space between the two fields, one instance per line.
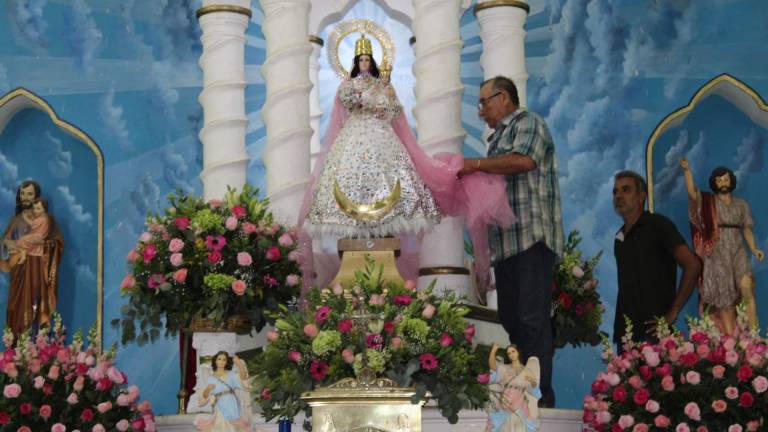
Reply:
x=349 y=405
x=354 y=253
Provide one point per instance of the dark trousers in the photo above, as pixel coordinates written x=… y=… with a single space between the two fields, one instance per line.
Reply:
x=524 y=289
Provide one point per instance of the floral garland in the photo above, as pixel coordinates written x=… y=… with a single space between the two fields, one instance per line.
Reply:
x=421 y=340
x=216 y=260
x=49 y=386
x=577 y=310
x=705 y=383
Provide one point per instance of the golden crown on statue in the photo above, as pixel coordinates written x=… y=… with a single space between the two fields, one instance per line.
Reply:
x=363 y=46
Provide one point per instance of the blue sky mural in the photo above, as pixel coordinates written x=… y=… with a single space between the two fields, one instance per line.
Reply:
x=126 y=73
x=602 y=73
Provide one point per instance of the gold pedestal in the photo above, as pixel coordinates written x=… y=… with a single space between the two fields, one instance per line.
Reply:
x=351 y=406
x=355 y=252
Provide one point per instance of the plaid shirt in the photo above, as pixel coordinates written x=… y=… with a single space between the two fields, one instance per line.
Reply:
x=535 y=195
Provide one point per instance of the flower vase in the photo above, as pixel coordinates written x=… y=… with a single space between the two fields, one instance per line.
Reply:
x=284 y=425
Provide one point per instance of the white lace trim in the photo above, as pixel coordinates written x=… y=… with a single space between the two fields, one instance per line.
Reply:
x=396 y=226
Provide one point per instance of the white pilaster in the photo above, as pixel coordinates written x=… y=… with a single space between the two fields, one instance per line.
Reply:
x=503 y=36
x=225 y=160
x=315 y=112
x=438 y=117
x=286 y=110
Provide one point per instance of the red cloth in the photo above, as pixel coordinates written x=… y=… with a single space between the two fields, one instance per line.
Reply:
x=704 y=229
x=191 y=376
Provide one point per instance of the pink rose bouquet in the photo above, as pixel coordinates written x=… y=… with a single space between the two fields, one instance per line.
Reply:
x=323 y=344
x=49 y=385
x=213 y=259
x=578 y=310
x=704 y=382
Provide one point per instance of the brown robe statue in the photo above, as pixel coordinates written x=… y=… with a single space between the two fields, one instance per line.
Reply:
x=33 y=280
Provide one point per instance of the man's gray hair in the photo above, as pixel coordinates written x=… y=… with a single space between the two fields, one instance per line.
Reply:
x=503 y=83
x=640 y=183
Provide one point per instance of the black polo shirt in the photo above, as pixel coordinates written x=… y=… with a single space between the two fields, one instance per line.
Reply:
x=647 y=272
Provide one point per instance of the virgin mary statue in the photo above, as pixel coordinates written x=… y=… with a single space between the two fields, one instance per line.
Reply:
x=368 y=163
x=373 y=180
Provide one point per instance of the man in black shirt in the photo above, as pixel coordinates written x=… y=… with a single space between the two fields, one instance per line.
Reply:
x=648 y=249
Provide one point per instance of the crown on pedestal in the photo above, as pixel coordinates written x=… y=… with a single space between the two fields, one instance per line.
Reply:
x=363 y=46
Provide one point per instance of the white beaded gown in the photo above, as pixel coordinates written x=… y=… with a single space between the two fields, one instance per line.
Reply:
x=367 y=160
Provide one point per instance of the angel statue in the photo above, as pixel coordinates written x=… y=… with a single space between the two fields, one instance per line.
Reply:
x=372 y=179
x=721 y=225
x=226 y=392
x=514 y=392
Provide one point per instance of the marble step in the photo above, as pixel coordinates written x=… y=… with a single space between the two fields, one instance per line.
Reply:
x=553 y=420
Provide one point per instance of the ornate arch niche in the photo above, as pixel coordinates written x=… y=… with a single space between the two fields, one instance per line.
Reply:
x=20 y=100
x=325 y=12
x=739 y=94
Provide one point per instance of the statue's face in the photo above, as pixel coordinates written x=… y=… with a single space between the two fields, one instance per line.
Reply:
x=221 y=362
x=512 y=353
x=364 y=63
x=27 y=195
x=38 y=209
x=723 y=183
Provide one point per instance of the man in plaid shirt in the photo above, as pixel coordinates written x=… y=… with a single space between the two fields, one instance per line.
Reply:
x=521 y=149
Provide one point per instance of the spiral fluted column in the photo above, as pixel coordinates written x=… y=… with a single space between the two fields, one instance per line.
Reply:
x=286 y=110
x=501 y=30
x=438 y=117
x=315 y=112
x=223 y=23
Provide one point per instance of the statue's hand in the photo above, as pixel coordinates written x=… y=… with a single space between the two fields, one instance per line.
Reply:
x=684 y=164
x=380 y=112
x=760 y=255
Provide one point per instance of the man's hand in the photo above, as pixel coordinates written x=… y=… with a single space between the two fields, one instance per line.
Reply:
x=670 y=317
x=470 y=166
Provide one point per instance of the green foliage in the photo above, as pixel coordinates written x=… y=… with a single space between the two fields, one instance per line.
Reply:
x=412 y=325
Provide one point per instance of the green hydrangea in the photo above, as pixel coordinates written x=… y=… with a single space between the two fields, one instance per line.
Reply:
x=414 y=328
x=217 y=282
x=377 y=361
x=207 y=220
x=325 y=341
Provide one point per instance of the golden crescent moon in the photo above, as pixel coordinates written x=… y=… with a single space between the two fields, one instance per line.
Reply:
x=367 y=212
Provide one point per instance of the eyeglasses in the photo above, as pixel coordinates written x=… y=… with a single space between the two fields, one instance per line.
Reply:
x=481 y=103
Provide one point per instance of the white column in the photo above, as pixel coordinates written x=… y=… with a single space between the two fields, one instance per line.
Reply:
x=286 y=110
x=501 y=30
x=438 y=117
x=225 y=160
x=315 y=113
